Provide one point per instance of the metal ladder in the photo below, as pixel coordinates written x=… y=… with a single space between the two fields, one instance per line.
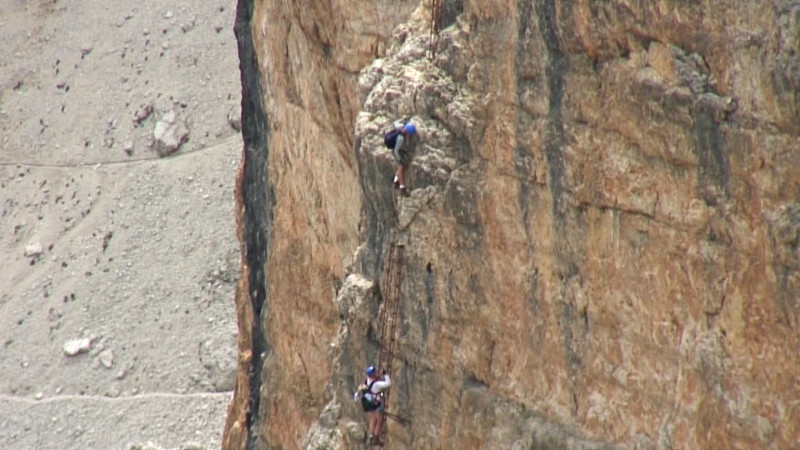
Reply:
x=387 y=319
x=435 y=24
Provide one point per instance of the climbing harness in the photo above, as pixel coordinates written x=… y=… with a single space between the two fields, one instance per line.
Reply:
x=370 y=401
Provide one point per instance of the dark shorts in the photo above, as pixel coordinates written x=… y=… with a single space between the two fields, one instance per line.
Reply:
x=405 y=158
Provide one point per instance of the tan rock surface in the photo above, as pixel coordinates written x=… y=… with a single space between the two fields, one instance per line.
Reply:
x=601 y=243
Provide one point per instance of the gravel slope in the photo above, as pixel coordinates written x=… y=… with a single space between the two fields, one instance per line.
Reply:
x=104 y=241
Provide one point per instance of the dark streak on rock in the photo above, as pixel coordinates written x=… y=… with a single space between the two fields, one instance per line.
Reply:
x=554 y=131
x=533 y=286
x=785 y=72
x=785 y=232
x=472 y=382
x=465 y=153
x=566 y=222
x=522 y=155
x=567 y=318
x=528 y=79
x=713 y=161
x=258 y=200
x=462 y=199
x=378 y=210
x=451 y=9
x=430 y=283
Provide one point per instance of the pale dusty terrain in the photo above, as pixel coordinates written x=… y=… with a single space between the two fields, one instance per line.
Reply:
x=102 y=239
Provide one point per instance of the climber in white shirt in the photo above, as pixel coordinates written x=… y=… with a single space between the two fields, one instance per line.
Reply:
x=371 y=394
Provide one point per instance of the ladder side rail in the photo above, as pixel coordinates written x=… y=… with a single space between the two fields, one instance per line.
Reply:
x=396 y=294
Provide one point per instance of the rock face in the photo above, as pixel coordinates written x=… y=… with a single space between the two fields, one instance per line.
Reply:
x=601 y=241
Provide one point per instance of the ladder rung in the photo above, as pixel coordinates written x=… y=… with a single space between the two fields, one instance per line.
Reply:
x=388 y=317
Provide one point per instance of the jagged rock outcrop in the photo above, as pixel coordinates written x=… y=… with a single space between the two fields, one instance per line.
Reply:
x=601 y=240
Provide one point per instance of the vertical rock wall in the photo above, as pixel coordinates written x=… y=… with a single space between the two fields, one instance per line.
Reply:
x=601 y=241
x=299 y=203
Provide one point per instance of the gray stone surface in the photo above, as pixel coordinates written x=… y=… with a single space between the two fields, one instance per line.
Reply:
x=108 y=252
x=152 y=421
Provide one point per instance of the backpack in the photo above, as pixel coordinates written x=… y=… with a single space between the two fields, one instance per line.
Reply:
x=390 y=138
x=372 y=401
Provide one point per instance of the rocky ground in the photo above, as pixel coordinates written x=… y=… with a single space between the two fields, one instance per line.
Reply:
x=119 y=146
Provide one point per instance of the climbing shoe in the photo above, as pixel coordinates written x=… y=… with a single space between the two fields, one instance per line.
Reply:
x=396 y=183
x=403 y=191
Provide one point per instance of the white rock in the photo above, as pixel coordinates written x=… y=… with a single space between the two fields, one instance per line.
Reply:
x=75 y=346
x=143 y=113
x=189 y=26
x=39 y=395
x=169 y=134
x=106 y=358
x=112 y=392
x=34 y=249
x=128 y=147
x=169 y=117
x=235 y=120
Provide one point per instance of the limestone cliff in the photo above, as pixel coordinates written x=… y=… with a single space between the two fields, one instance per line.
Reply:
x=601 y=241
